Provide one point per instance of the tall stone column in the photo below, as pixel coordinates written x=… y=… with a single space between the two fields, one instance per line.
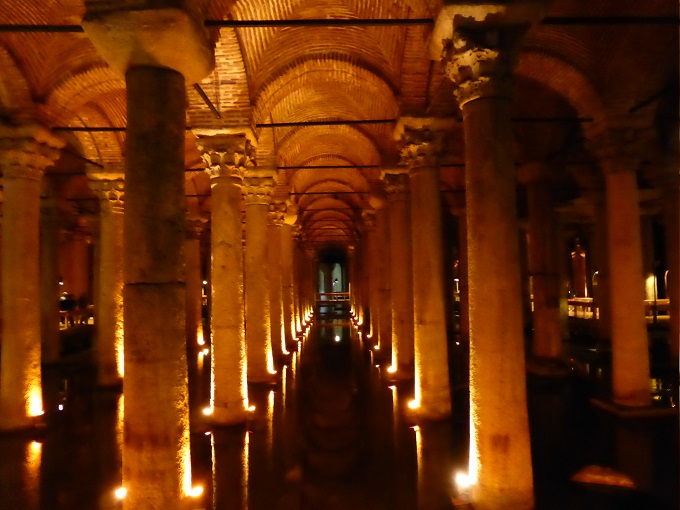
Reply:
x=421 y=149
x=25 y=152
x=296 y=279
x=274 y=252
x=396 y=186
x=288 y=290
x=50 y=229
x=160 y=48
x=479 y=61
x=372 y=261
x=464 y=311
x=542 y=255
x=618 y=148
x=382 y=250
x=258 y=190
x=227 y=157
x=109 y=186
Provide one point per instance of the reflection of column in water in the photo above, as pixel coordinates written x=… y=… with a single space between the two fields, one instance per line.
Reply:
x=32 y=474
x=433 y=452
x=270 y=426
x=634 y=454
x=230 y=457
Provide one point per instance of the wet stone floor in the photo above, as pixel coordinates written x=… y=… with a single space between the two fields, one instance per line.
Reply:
x=334 y=434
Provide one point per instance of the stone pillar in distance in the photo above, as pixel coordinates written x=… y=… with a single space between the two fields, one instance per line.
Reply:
x=421 y=141
x=25 y=152
x=287 y=279
x=275 y=266
x=109 y=186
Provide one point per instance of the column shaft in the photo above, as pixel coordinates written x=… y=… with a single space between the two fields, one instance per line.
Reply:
x=384 y=280
x=274 y=232
x=156 y=455
x=49 y=276
x=630 y=347
x=288 y=290
x=500 y=456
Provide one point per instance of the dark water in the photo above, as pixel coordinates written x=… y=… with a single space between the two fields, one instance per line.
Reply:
x=332 y=435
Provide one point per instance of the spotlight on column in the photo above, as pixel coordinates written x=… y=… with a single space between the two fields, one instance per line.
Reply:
x=205 y=282
x=414 y=404
x=208 y=411
x=392 y=369
x=251 y=409
x=196 y=491
x=120 y=493
x=463 y=480
x=205 y=351
x=337 y=338
x=376 y=347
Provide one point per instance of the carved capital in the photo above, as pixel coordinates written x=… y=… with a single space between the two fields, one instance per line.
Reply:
x=26 y=151
x=258 y=186
x=479 y=61
x=396 y=183
x=421 y=148
x=194 y=227
x=368 y=217
x=227 y=155
x=277 y=213
x=109 y=186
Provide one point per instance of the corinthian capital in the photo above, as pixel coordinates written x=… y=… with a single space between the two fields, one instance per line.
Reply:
x=396 y=182
x=277 y=213
x=227 y=155
x=109 y=185
x=25 y=151
x=258 y=186
x=421 y=140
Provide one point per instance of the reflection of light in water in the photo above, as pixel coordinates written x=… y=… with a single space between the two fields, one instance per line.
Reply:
x=32 y=472
x=201 y=357
x=270 y=423
x=120 y=414
x=419 y=455
x=395 y=411
x=284 y=383
x=244 y=471
x=473 y=464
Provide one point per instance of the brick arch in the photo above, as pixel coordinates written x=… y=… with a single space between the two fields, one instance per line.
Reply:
x=338 y=80
x=15 y=94
x=301 y=180
x=565 y=79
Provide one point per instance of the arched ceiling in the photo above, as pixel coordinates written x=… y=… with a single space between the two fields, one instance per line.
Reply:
x=321 y=86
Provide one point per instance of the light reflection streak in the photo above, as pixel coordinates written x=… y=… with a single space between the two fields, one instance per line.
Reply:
x=32 y=472
x=244 y=472
x=270 y=423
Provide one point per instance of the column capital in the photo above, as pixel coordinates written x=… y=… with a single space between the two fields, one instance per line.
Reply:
x=277 y=213
x=227 y=155
x=194 y=227
x=109 y=186
x=258 y=185
x=141 y=33
x=25 y=151
x=368 y=217
x=621 y=143
x=396 y=182
x=422 y=140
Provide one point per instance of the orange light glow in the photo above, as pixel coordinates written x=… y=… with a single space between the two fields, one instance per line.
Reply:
x=208 y=411
x=120 y=493
x=462 y=480
x=34 y=403
x=392 y=369
x=414 y=404
x=196 y=491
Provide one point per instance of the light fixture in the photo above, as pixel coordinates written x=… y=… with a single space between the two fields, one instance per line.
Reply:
x=120 y=492
x=196 y=491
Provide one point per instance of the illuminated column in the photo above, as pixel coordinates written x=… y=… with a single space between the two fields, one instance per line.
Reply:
x=274 y=253
x=619 y=149
x=671 y=218
x=108 y=185
x=296 y=279
x=396 y=185
x=383 y=273
x=75 y=263
x=258 y=189
x=194 y=282
x=542 y=240
x=156 y=450
x=288 y=290
x=25 y=152
x=421 y=147
x=372 y=270
x=226 y=157
x=480 y=58
x=50 y=227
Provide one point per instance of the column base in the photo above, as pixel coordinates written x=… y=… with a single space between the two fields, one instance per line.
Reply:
x=629 y=412
x=29 y=426
x=268 y=380
x=424 y=414
x=402 y=374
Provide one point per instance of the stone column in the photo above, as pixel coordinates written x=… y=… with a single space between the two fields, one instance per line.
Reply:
x=160 y=48
x=274 y=252
x=258 y=189
x=542 y=255
x=108 y=185
x=25 y=152
x=371 y=262
x=396 y=185
x=464 y=321
x=194 y=281
x=296 y=280
x=49 y=279
x=422 y=146
x=288 y=290
x=619 y=148
x=227 y=157
x=383 y=266
x=480 y=59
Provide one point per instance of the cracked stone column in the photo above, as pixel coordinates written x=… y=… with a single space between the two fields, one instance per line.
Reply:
x=396 y=186
x=109 y=186
x=619 y=148
x=421 y=149
x=275 y=266
x=479 y=54
x=258 y=190
x=542 y=246
x=25 y=152
x=160 y=46
x=227 y=157
x=287 y=280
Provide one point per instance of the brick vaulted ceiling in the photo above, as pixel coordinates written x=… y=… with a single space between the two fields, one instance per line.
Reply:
x=568 y=74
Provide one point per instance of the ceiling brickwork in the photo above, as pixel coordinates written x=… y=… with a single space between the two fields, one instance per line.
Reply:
x=573 y=73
